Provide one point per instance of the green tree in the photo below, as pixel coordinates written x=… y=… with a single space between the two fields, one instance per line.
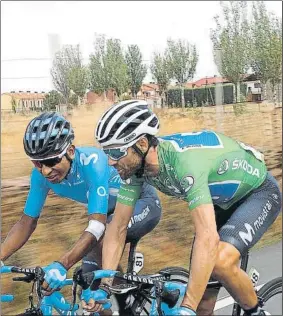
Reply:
x=52 y=99
x=99 y=79
x=266 y=44
x=230 y=41
x=160 y=71
x=67 y=62
x=107 y=67
x=182 y=58
x=14 y=105
x=135 y=68
x=78 y=80
x=116 y=66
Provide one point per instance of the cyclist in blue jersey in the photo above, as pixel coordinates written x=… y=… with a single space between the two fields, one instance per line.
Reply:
x=83 y=175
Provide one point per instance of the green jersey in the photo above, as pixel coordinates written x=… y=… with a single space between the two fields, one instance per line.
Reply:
x=201 y=168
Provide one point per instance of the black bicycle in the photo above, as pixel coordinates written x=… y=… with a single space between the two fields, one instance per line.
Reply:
x=153 y=294
x=168 y=286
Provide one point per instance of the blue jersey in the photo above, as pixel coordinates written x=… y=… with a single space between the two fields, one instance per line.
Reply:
x=91 y=181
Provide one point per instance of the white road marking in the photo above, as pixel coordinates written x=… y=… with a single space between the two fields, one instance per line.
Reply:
x=228 y=300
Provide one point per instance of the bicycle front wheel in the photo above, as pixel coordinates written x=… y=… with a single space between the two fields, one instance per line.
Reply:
x=271 y=294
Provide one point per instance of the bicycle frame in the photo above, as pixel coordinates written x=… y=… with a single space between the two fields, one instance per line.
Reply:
x=211 y=284
x=48 y=304
x=147 y=279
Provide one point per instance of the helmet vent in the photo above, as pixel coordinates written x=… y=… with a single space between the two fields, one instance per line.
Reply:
x=153 y=122
x=126 y=121
x=44 y=128
x=47 y=135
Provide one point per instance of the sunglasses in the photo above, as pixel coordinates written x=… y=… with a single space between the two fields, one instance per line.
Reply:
x=47 y=162
x=116 y=153
x=119 y=152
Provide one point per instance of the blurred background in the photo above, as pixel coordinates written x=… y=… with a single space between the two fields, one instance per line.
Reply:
x=212 y=65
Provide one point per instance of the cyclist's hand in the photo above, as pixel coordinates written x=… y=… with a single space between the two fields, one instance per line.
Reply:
x=95 y=301
x=183 y=311
x=2 y=263
x=55 y=275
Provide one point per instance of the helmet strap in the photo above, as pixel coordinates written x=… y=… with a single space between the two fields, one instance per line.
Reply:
x=71 y=162
x=140 y=171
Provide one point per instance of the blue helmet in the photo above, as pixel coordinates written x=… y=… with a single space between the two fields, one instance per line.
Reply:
x=48 y=134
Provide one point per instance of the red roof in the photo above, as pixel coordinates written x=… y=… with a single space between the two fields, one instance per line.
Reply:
x=210 y=81
x=149 y=87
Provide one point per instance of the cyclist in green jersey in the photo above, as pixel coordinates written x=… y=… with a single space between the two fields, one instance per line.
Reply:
x=231 y=197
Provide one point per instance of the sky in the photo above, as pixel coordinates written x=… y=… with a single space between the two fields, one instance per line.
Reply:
x=35 y=29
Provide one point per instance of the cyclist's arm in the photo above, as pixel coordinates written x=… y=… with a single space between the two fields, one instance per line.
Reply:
x=96 y=174
x=23 y=229
x=195 y=182
x=204 y=253
x=116 y=231
x=83 y=246
x=18 y=236
x=115 y=237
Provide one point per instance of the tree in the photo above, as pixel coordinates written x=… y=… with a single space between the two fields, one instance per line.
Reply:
x=52 y=99
x=67 y=62
x=99 y=79
x=266 y=43
x=182 y=60
x=159 y=70
x=107 y=67
x=135 y=68
x=14 y=104
x=116 y=66
x=78 y=80
x=231 y=42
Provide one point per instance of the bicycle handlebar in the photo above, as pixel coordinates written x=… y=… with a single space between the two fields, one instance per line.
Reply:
x=55 y=299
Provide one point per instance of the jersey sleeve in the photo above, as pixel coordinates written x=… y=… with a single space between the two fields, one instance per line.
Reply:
x=37 y=194
x=97 y=174
x=130 y=191
x=193 y=172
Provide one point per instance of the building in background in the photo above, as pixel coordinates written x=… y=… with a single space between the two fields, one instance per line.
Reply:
x=148 y=90
x=92 y=97
x=22 y=101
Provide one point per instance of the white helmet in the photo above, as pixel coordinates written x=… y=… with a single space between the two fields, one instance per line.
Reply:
x=126 y=121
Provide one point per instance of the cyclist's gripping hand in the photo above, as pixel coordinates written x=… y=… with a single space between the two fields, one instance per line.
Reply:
x=55 y=275
x=95 y=301
x=183 y=311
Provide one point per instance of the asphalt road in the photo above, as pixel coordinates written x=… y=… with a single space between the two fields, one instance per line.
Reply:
x=268 y=262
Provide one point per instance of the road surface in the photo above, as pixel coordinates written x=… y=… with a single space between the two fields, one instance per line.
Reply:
x=268 y=262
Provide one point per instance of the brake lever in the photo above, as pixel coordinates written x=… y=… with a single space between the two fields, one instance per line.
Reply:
x=39 y=279
x=85 y=280
x=39 y=274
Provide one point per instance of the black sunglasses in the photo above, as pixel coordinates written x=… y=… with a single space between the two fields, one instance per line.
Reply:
x=47 y=162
